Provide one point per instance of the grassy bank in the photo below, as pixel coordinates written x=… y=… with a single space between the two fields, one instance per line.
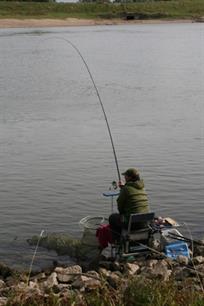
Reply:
x=136 y=292
x=180 y=9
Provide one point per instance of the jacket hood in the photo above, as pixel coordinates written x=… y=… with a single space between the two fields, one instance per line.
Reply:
x=138 y=184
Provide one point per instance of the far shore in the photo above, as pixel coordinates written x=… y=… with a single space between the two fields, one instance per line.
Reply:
x=33 y=23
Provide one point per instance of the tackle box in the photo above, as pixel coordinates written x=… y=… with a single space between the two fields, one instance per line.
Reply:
x=175 y=249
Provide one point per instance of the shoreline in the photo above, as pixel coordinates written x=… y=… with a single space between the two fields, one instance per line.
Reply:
x=71 y=22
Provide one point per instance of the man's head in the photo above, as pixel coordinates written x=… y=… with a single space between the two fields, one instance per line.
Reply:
x=131 y=174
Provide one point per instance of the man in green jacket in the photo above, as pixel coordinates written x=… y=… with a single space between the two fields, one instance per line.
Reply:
x=132 y=199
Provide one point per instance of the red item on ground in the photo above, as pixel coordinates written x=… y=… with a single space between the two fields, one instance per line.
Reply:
x=104 y=235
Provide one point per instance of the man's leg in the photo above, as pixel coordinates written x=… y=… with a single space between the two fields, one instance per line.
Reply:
x=115 y=225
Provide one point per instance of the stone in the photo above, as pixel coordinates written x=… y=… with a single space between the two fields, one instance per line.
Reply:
x=159 y=270
x=200 y=269
x=181 y=273
x=132 y=269
x=33 y=284
x=151 y=263
x=66 y=275
x=93 y=274
x=29 y=294
x=38 y=277
x=199 y=250
x=3 y=301
x=2 y=284
x=65 y=294
x=198 y=260
x=63 y=287
x=114 y=280
x=140 y=262
x=103 y=272
x=83 y=281
x=182 y=260
x=22 y=285
x=51 y=280
x=170 y=263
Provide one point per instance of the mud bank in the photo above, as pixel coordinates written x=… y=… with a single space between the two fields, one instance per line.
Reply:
x=33 y=23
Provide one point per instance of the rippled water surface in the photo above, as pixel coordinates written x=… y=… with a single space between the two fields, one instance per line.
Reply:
x=56 y=158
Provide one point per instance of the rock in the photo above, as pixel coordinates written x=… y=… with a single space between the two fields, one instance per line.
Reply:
x=65 y=294
x=62 y=288
x=140 y=262
x=181 y=273
x=132 y=269
x=199 y=249
x=170 y=263
x=182 y=260
x=114 y=280
x=51 y=281
x=3 y=301
x=159 y=270
x=103 y=272
x=21 y=286
x=68 y=274
x=33 y=284
x=2 y=284
x=93 y=274
x=38 y=277
x=151 y=263
x=86 y=282
x=200 y=269
x=27 y=295
x=198 y=260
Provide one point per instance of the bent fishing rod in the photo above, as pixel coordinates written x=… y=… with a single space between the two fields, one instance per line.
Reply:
x=99 y=98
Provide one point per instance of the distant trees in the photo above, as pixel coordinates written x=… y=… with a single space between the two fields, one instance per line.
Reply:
x=96 y=1
x=121 y=1
x=45 y=1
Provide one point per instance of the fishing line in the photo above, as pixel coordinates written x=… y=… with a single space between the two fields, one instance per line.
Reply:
x=192 y=244
x=99 y=98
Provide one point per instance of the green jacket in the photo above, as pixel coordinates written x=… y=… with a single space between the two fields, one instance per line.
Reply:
x=132 y=199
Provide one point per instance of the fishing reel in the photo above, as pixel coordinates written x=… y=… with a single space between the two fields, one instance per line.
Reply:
x=113 y=186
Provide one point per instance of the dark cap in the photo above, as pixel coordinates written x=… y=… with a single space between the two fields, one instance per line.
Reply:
x=131 y=172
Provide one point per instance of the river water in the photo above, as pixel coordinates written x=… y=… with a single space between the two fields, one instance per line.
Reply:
x=56 y=158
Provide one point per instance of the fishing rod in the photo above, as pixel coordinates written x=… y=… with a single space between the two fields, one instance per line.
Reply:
x=182 y=238
x=100 y=101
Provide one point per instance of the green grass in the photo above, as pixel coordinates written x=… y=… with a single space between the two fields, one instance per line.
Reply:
x=180 y=9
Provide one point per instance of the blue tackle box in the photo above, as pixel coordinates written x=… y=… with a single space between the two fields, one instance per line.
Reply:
x=175 y=249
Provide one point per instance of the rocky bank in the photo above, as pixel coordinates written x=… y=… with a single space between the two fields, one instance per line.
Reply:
x=63 y=282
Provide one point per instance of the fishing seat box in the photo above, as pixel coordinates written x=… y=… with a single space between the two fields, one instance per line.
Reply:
x=175 y=249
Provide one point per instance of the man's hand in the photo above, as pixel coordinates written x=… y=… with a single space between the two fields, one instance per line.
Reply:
x=121 y=184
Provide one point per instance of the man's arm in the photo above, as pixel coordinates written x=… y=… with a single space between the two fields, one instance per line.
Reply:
x=121 y=200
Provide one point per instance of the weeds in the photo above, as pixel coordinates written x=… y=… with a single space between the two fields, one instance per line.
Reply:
x=157 y=293
x=135 y=292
